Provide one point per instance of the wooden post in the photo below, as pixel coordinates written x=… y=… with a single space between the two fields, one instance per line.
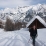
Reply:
x=36 y=24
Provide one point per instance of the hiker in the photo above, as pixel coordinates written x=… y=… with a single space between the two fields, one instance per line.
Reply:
x=33 y=33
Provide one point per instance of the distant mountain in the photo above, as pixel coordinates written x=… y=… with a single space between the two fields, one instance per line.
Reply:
x=25 y=13
x=18 y=13
x=39 y=9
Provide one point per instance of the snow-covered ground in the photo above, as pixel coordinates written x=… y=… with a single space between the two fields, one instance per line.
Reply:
x=21 y=38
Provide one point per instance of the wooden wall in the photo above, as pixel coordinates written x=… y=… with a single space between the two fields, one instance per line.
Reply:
x=37 y=23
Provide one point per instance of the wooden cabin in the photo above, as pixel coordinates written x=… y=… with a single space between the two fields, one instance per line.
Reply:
x=38 y=21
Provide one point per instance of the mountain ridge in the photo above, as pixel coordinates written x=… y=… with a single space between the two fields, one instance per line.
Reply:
x=24 y=13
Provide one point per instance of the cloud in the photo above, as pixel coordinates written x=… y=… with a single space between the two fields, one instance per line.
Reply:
x=38 y=1
x=15 y=3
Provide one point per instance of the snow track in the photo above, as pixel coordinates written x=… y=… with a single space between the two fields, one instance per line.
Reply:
x=38 y=42
x=18 y=38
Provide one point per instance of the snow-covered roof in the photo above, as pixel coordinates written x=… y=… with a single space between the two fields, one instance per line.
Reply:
x=36 y=17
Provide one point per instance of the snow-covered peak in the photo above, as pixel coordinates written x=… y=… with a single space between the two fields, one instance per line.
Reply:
x=24 y=9
x=9 y=10
x=21 y=12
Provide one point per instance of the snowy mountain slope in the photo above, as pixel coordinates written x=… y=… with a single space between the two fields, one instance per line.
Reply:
x=39 y=9
x=21 y=38
x=18 y=13
x=24 y=13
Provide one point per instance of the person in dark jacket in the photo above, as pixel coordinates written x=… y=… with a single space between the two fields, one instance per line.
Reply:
x=33 y=33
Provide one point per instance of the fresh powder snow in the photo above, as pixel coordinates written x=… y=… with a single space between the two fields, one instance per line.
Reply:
x=21 y=38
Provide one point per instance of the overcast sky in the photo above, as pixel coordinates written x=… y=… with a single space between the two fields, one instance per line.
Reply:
x=15 y=3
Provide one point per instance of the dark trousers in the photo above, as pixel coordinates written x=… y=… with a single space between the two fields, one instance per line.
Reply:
x=33 y=38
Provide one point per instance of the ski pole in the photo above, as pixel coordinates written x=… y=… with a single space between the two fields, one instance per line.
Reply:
x=28 y=40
